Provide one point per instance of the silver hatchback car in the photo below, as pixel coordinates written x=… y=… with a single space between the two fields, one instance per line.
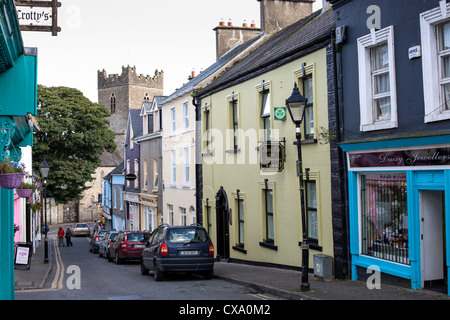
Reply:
x=81 y=229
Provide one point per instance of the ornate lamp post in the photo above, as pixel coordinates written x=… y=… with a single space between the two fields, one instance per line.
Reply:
x=44 y=169
x=296 y=104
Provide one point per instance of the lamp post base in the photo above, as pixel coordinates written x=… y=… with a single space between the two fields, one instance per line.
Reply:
x=45 y=250
x=304 y=287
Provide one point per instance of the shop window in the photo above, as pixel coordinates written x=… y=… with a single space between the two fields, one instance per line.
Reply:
x=384 y=216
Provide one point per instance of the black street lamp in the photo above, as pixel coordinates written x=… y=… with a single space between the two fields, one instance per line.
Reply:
x=44 y=169
x=296 y=105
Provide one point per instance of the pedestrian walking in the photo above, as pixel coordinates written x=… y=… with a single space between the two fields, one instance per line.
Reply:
x=61 y=237
x=69 y=237
x=95 y=227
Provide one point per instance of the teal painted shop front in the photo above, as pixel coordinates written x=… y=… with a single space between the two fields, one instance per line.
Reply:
x=399 y=208
x=18 y=100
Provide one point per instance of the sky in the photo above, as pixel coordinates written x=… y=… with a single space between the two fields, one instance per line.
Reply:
x=175 y=36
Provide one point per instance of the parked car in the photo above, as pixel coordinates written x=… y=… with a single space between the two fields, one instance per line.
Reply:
x=128 y=245
x=81 y=229
x=94 y=243
x=108 y=239
x=178 y=249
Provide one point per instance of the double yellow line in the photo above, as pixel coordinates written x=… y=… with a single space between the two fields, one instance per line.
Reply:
x=59 y=275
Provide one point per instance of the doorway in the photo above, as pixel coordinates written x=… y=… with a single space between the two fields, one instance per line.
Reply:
x=433 y=240
x=223 y=230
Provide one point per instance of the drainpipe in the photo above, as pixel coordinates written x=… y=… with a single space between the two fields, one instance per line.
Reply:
x=198 y=159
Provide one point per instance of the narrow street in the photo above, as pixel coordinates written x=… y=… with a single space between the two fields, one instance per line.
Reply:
x=102 y=280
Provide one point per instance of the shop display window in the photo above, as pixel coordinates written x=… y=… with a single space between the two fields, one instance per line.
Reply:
x=384 y=216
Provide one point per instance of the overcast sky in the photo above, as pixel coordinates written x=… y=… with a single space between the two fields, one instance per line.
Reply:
x=175 y=36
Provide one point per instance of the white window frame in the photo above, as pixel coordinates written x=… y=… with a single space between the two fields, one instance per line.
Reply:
x=173 y=164
x=429 y=21
x=173 y=126
x=186 y=165
x=183 y=216
x=186 y=115
x=366 y=95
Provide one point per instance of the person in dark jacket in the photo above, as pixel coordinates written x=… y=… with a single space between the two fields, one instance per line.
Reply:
x=69 y=235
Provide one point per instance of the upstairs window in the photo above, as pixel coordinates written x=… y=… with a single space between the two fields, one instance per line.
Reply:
x=444 y=64
x=309 y=110
x=265 y=114
x=435 y=36
x=377 y=89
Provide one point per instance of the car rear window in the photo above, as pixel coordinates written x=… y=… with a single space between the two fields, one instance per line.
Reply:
x=81 y=226
x=142 y=237
x=184 y=235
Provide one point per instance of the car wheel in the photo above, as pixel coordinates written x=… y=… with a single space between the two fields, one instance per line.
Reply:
x=144 y=270
x=100 y=254
x=209 y=274
x=157 y=273
x=118 y=260
x=108 y=256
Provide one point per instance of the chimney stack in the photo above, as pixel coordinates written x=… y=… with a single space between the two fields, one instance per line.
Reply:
x=227 y=36
x=278 y=14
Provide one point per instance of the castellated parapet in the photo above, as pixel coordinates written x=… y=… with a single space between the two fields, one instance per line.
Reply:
x=130 y=77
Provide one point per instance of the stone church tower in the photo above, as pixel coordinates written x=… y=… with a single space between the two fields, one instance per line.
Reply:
x=118 y=93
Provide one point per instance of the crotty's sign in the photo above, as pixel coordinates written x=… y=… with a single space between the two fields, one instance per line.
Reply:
x=38 y=15
x=400 y=158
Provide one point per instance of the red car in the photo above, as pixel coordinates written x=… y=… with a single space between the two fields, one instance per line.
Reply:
x=128 y=245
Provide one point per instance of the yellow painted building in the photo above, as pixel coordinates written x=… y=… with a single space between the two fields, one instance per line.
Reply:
x=253 y=213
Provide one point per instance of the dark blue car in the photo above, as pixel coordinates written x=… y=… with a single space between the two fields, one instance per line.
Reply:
x=178 y=249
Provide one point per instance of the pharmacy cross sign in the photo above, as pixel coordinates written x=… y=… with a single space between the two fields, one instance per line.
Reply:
x=38 y=15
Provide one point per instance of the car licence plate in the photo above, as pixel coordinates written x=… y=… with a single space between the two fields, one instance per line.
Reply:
x=139 y=246
x=188 y=253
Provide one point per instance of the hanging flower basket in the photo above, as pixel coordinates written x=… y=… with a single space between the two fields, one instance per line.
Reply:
x=11 y=174
x=11 y=180
x=36 y=206
x=24 y=193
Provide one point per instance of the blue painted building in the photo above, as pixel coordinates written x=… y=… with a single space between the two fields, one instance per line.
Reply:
x=394 y=110
x=18 y=97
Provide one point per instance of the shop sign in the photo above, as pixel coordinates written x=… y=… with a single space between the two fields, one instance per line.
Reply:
x=130 y=177
x=400 y=158
x=272 y=157
x=38 y=15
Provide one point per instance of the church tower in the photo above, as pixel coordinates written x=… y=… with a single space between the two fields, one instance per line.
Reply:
x=120 y=93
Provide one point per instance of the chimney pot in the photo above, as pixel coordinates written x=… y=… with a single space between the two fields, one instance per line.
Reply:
x=253 y=25
x=221 y=23
x=230 y=24
x=245 y=24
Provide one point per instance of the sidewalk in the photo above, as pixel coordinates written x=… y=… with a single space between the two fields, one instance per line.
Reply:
x=279 y=282
x=286 y=284
x=35 y=277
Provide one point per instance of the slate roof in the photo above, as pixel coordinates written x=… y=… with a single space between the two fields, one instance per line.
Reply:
x=136 y=122
x=224 y=59
x=305 y=36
